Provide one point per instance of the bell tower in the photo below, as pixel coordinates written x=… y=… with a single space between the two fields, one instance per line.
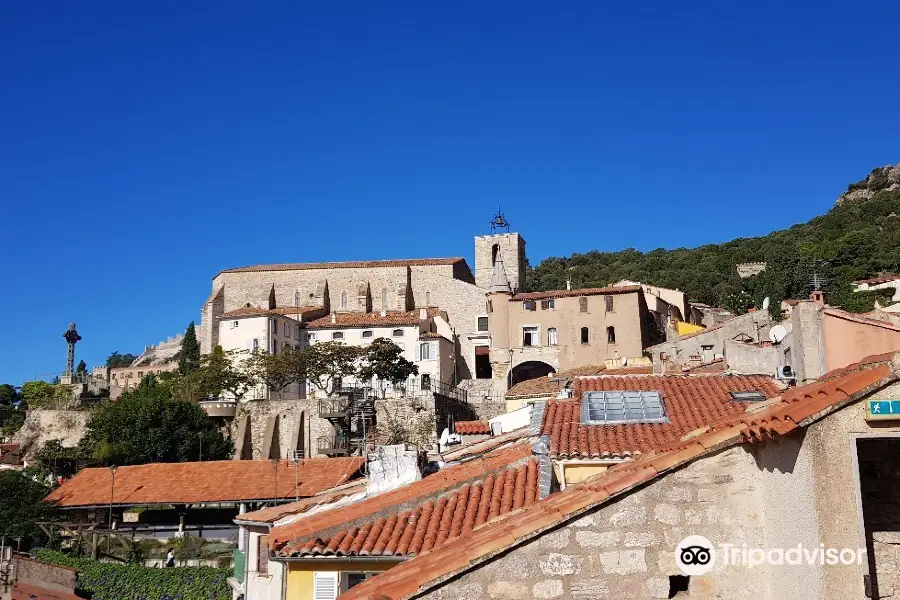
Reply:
x=500 y=242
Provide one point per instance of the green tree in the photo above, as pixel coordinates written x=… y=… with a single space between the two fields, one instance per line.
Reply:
x=384 y=359
x=81 y=369
x=54 y=460
x=147 y=425
x=222 y=371
x=8 y=394
x=330 y=362
x=275 y=370
x=37 y=394
x=189 y=355
x=22 y=506
x=116 y=360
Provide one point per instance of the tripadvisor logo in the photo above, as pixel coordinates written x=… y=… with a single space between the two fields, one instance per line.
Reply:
x=695 y=555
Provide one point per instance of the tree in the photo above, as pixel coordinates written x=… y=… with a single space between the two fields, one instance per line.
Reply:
x=81 y=369
x=384 y=359
x=54 y=460
x=37 y=393
x=8 y=394
x=275 y=370
x=221 y=371
x=329 y=362
x=189 y=355
x=22 y=506
x=116 y=360
x=147 y=425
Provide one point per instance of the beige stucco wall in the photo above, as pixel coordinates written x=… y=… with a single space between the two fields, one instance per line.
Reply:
x=849 y=341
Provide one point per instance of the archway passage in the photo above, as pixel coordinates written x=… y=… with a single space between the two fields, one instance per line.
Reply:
x=531 y=369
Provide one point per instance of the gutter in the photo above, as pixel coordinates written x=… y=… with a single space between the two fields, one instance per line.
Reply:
x=339 y=559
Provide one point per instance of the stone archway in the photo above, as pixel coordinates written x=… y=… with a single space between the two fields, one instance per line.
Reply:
x=530 y=369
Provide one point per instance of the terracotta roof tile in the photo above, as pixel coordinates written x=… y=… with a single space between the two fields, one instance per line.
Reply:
x=359 y=264
x=255 y=311
x=626 y=289
x=550 y=386
x=413 y=505
x=274 y=513
x=691 y=402
x=212 y=481
x=473 y=427
x=411 y=577
x=372 y=319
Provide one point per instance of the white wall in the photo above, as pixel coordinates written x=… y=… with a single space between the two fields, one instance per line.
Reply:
x=241 y=339
x=261 y=587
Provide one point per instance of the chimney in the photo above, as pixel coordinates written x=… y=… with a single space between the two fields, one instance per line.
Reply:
x=818 y=297
x=383 y=312
x=333 y=317
x=569 y=284
x=391 y=467
x=423 y=314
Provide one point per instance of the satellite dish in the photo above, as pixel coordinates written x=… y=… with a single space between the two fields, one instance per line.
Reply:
x=777 y=333
x=766 y=303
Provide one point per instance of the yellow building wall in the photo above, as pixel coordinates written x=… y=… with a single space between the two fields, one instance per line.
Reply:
x=301 y=575
x=683 y=328
x=578 y=473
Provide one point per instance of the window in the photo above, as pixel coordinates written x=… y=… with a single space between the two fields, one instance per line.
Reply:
x=274 y=326
x=489 y=307
x=337 y=335
x=530 y=336
x=367 y=334
x=584 y=335
x=296 y=332
x=678 y=584
x=425 y=351
x=548 y=304
x=602 y=408
x=325 y=585
x=311 y=336
x=234 y=324
x=482 y=323
x=349 y=580
x=140 y=374
x=254 y=344
x=397 y=333
x=483 y=362
x=707 y=347
x=287 y=330
x=582 y=304
x=343 y=299
x=426 y=381
x=528 y=305
x=551 y=337
x=748 y=396
x=262 y=555
x=610 y=335
x=427 y=298
x=610 y=307
x=384 y=298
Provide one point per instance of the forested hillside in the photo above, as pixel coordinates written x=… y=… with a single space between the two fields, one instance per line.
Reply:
x=859 y=237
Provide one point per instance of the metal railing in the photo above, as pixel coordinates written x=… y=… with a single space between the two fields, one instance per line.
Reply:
x=333 y=445
x=240 y=565
x=408 y=389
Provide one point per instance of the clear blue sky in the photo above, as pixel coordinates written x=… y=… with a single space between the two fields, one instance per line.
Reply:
x=144 y=148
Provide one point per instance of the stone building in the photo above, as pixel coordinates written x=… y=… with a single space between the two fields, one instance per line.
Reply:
x=154 y=360
x=811 y=468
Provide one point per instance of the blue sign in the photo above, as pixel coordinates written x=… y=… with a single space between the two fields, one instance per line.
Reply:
x=883 y=409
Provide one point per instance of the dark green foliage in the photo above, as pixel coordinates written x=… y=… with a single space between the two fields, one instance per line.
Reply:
x=52 y=459
x=851 y=241
x=81 y=369
x=8 y=394
x=384 y=359
x=189 y=355
x=10 y=422
x=147 y=425
x=116 y=360
x=22 y=506
x=136 y=582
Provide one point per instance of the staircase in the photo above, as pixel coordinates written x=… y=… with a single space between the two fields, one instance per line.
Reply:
x=352 y=414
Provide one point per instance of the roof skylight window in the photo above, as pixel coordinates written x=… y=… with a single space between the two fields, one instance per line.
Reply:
x=607 y=408
x=748 y=396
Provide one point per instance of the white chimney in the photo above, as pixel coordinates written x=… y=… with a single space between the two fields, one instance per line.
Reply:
x=333 y=317
x=568 y=284
x=383 y=312
x=423 y=314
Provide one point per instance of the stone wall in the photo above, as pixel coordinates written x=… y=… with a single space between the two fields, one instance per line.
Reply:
x=753 y=358
x=43 y=425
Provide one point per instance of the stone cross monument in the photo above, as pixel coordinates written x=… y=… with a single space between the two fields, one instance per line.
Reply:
x=72 y=338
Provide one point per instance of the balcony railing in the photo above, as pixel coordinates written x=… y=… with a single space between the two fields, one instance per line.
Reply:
x=333 y=446
x=240 y=565
x=408 y=389
x=334 y=407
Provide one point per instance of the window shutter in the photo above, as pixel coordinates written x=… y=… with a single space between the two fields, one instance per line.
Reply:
x=325 y=585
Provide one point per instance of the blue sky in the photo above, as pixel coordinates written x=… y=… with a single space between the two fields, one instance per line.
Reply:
x=145 y=146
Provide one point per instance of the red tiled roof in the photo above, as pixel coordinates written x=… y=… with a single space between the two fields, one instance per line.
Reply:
x=625 y=289
x=430 y=524
x=30 y=591
x=798 y=408
x=359 y=264
x=372 y=319
x=472 y=427
x=271 y=514
x=690 y=401
x=14 y=447
x=212 y=481
x=327 y=523
x=550 y=386
x=255 y=311
x=877 y=280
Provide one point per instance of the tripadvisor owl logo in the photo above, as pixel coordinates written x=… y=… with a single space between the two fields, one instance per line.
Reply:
x=695 y=555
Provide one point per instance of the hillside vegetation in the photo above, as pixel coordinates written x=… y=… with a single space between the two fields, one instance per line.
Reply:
x=858 y=238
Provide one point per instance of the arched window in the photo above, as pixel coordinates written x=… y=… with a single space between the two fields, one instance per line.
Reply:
x=427 y=298
x=495 y=250
x=584 y=335
x=384 y=299
x=343 y=299
x=551 y=336
x=611 y=334
x=397 y=333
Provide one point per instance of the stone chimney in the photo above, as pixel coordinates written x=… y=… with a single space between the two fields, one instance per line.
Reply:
x=818 y=296
x=333 y=317
x=383 y=312
x=423 y=314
